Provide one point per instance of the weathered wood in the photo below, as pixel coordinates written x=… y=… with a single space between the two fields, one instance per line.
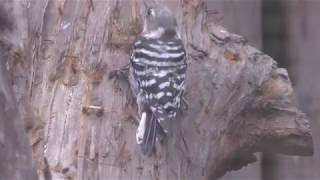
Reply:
x=239 y=101
x=15 y=152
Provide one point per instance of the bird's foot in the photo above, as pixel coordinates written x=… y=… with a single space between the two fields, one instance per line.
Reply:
x=121 y=73
x=184 y=104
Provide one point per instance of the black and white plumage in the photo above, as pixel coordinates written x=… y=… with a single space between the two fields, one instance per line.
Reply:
x=157 y=75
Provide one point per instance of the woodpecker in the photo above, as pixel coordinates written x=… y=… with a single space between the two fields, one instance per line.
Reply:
x=157 y=75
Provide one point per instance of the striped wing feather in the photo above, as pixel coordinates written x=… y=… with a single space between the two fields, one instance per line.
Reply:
x=159 y=67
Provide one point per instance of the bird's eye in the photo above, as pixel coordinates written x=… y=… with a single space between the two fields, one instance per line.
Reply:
x=150 y=12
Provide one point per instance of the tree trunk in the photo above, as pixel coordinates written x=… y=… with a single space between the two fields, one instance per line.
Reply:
x=239 y=101
x=15 y=152
x=241 y=17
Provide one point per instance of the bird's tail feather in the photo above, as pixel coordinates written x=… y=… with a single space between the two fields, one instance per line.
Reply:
x=150 y=135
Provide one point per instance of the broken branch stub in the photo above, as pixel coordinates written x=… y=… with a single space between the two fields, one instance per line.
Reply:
x=242 y=103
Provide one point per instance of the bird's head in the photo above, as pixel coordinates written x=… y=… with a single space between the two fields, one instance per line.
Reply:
x=159 y=17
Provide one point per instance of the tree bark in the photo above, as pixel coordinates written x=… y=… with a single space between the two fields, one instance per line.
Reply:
x=245 y=18
x=15 y=152
x=239 y=101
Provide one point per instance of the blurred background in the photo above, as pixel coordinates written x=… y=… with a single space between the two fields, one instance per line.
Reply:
x=288 y=31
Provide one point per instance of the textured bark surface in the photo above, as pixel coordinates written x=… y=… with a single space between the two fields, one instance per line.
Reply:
x=81 y=120
x=15 y=152
x=241 y=17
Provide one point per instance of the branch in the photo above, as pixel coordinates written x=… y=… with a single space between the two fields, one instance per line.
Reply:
x=242 y=102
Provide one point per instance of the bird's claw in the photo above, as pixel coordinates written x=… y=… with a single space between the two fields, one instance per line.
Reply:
x=184 y=104
x=120 y=73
